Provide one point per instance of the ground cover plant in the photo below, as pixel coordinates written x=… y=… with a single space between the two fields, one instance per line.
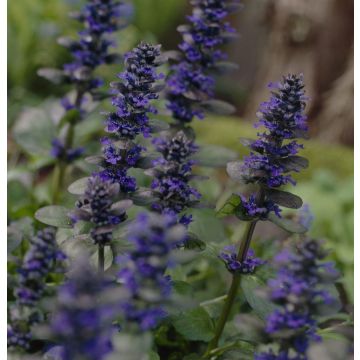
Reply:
x=134 y=243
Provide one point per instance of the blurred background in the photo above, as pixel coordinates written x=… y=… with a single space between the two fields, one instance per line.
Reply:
x=276 y=37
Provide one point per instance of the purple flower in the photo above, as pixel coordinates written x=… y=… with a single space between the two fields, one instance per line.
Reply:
x=97 y=206
x=41 y=259
x=99 y=18
x=281 y=356
x=154 y=237
x=133 y=94
x=82 y=319
x=18 y=336
x=248 y=266
x=59 y=151
x=273 y=154
x=173 y=171
x=253 y=210
x=189 y=82
x=132 y=100
x=298 y=290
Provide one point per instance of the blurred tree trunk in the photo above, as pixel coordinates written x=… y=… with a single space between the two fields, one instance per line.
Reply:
x=314 y=38
x=336 y=116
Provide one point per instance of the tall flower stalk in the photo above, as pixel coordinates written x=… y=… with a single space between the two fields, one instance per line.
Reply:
x=273 y=156
x=84 y=310
x=190 y=82
x=132 y=99
x=42 y=258
x=143 y=268
x=99 y=208
x=92 y=49
x=101 y=203
x=299 y=290
x=190 y=87
x=172 y=174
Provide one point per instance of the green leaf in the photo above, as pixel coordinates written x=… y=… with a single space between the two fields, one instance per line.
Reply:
x=158 y=125
x=71 y=117
x=75 y=245
x=218 y=107
x=131 y=346
x=284 y=198
x=243 y=354
x=56 y=76
x=287 y=224
x=142 y=197
x=79 y=186
x=17 y=231
x=34 y=131
x=182 y=287
x=231 y=204
x=194 y=243
x=251 y=285
x=195 y=325
x=54 y=215
x=192 y=357
x=206 y=226
x=154 y=356
x=14 y=239
x=214 y=156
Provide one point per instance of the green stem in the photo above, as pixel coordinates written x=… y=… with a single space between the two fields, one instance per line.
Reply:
x=101 y=262
x=60 y=168
x=231 y=296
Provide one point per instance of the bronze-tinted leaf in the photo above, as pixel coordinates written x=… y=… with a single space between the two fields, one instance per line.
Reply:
x=284 y=198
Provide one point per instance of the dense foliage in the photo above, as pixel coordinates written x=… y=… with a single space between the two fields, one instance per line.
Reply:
x=133 y=245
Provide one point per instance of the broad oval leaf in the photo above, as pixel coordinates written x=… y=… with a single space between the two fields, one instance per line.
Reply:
x=284 y=198
x=79 y=186
x=122 y=205
x=287 y=224
x=214 y=156
x=54 y=215
x=195 y=325
x=34 y=131
x=294 y=163
x=251 y=285
x=143 y=197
